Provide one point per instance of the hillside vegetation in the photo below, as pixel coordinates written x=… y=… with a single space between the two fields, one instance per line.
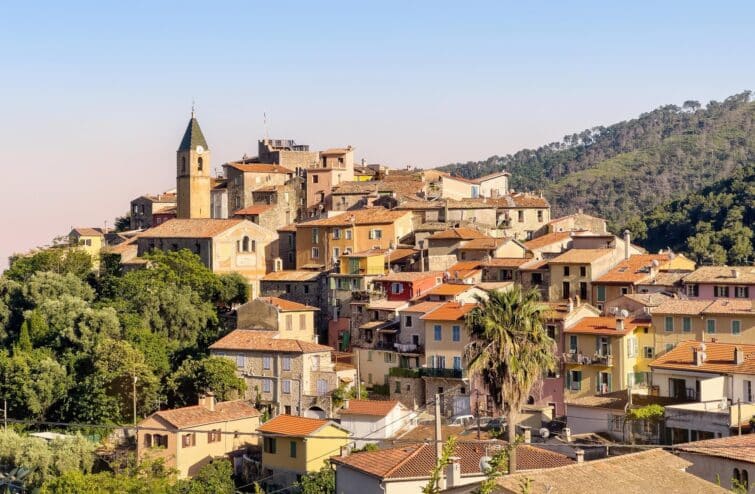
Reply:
x=622 y=172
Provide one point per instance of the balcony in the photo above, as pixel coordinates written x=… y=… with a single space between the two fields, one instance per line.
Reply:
x=582 y=359
x=444 y=373
x=404 y=372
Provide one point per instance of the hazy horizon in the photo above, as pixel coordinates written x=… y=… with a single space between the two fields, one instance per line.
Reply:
x=96 y=97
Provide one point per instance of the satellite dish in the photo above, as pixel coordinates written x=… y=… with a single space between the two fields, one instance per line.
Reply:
x=544 y=433
x=485 y=463
x=624 y=313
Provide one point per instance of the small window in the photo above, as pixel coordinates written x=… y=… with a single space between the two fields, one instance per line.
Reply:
x=286 y=386
x=336 y=233
x=369 y=356
x=397 y=387
x=520 y=216
x=457 y=365
x=575 y=380
x=669 y=347
x=566 y=270
x=437 y=332
x=710 y=326
x=292 y=449
x=315 y=253
x=669 y=324
x=302 y=322
x=624 y=290
x=551 y=330
x=583 y=271
x=189 y=440
x=286 y=363
x=214 y=436
x=347 y=234
x=240 y=361
x=742 y=292
x=736 y=327
x=456 y=333
x=721 y=291
x=266 y=385
x=648 y=352
x=397 y=288
x=147 y=440
x=601 y=293
x=573 y=343
x=200 y=164
x=183 y=164
x=686 y=324
x=267 y=362
x=289 y=322
x=539 y=216
x=692 y=290
x=315 y=179
x=408 y=321
x=245 y=244
x=269 y=445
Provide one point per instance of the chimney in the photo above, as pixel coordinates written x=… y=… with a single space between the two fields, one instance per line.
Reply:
x=567 y=434
x=579 y=453
x=735 y=273
x=453 y=472
x=277 y=264
x=576 y=301
x=698 y=356
x=627 y=243
x=207 y=400
x=571 y=305
x=580 y=210
x=346 y=404
x=619 y=324
x=739 y=356
x=527 y=434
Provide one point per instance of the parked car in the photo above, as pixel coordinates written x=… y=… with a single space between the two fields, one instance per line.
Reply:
x=498 y=424
x=462 y=420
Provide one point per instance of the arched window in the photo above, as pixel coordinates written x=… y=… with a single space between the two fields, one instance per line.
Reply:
x=200 y=164
x=147 y=440
x=736 y=476
x=183 y=164
x=745 y=479
x=245 y=244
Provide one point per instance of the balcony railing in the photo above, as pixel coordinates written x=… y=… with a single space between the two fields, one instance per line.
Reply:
x=582 y=359
x=446 y=373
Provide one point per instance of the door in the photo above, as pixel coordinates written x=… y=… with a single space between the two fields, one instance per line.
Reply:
x=677 y=388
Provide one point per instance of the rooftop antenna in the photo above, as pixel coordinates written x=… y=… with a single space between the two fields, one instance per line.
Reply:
x=193 y=104
x=264 y=123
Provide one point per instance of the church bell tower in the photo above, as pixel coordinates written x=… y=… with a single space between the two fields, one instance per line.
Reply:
x=193 y=173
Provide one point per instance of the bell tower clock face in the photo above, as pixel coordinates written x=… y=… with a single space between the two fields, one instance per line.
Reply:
x=200 y=150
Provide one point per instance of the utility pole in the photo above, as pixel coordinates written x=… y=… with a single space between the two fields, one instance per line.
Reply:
x=438 y=434
x=739 y=415
x=477 y=394
x=134 y=395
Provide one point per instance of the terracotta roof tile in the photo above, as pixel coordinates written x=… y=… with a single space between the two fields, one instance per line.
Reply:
x=581 y=256
x=721 y=306
x=484 y=243
x=191 y=228
x=262 y=341
x=547 y=239
x=633 y=270
x=253 y=209
x=462 y=233
x=89 y=232
x=409 y=276
x=417 y=461
x=379 y=408
x=603 y=326
x=423 y=307
x=740 y=448
x=199 y=414
x=450 y=289
x=617 y=400
x=373 y=216
x=259 y=168
x=450 y=311
x=719 y=358
x=287 y=305
x=722 y=275
x=292 y=275
x=637 y=473
x=505 y=262
x=290 y=425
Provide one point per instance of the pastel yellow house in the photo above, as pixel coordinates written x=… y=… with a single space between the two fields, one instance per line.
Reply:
x=369 y=262
x=293 y=446
x=223 y=245
x=603 y=354
x=188 y=438
x=291 y=319
x=90 y=240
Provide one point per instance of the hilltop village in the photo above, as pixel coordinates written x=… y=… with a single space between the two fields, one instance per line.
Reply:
x=353 y=342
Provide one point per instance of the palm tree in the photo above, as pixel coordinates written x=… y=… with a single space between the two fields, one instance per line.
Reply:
x=510 y=350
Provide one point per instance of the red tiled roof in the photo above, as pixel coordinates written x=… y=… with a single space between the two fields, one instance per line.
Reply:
x=724 y=275
x=191 y=228
x=373 y=216
x=423 y=307
x=286 y=305
x=259 y=168
x=379 y=408
x=450 y=311
x=254 y=209
x=200 y=415
x=740 y=448
x=410 y=276
x=719 y=358
x=462 y=233
x=581 y=256
x=262 y=341
x=505 y=262
x=449 y=289
x=484 y=243
x=721 y=306
x=633 y=270
x=290 y=425
x=547 y=239
x=89 y=232
x=603 y=326
x=418 y=460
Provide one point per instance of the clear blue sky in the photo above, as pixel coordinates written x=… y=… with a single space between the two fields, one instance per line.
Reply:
x=94 y=96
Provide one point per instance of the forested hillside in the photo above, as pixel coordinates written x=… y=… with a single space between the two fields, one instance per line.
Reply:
x=713 y=225
x=624 y=171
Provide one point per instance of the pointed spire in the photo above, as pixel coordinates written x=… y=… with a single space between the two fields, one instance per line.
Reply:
x=193 y=136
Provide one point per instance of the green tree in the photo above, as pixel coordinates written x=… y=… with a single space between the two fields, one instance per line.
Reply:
x=196 y=377
x=321 y=482
x=233 y=289
x=215 y=477
x=61 y=260
x=31 y=382
x=510 y=350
